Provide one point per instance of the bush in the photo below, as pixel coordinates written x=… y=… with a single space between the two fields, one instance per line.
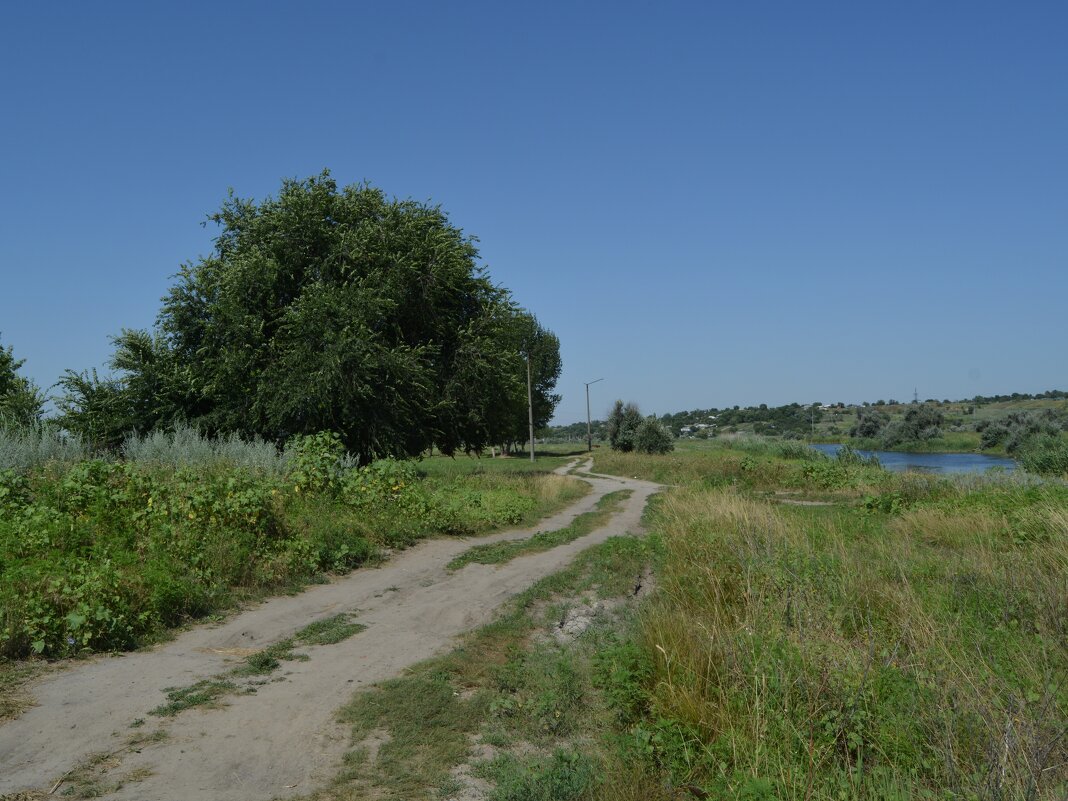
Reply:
x=623 y=424
x=316 y=461
x=848 y=455
x=1046 y=454
x=651 y=437
x=799 y=450
x=23 y=449
x=870 y=423
x=186 y=446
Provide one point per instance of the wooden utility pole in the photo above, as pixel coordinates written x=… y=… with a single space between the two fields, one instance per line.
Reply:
x=589 y=427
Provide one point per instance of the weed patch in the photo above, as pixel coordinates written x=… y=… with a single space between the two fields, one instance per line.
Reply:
x=98 y=555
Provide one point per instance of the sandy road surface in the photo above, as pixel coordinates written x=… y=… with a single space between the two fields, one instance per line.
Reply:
x=283 y=740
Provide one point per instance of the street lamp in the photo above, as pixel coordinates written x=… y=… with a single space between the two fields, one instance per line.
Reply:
x=589 y=428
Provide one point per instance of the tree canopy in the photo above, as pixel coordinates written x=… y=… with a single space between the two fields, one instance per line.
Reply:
x=20 y=399
x=337 y=309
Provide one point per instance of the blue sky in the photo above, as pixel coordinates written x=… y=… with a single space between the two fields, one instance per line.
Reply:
x=711 y=203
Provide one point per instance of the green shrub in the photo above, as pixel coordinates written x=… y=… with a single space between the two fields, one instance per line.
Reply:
x=1046 y=454
x=315 y=461
x=184 y=446
x=28 y=448
x=651 y=437
x=848 y=455
x=798 y=450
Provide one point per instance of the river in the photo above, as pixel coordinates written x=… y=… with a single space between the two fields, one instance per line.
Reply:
x=931 y=462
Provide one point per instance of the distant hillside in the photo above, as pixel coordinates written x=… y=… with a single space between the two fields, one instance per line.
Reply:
x=833 y=421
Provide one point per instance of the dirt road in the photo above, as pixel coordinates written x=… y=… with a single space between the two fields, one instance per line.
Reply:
x=283 y=740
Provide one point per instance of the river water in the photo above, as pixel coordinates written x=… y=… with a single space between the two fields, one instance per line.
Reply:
x=931 y=462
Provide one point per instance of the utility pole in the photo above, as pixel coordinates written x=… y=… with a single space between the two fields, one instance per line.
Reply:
x=530 y=406
x=589 y=427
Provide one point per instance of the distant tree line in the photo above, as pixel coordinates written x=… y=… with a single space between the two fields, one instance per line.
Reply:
x=790 y=420
x=323 y=309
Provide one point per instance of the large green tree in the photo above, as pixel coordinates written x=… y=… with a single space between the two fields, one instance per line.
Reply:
x=20 y=399
x=336 y=308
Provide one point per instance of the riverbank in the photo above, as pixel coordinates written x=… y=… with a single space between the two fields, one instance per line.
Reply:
x=825 y=632
x=953 y=442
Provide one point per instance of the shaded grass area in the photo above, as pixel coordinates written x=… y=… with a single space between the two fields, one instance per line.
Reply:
x=548 y=458
x=503 y=685
x=111 y=555
x=495 y=553
x=910 y=641
x=208 y=692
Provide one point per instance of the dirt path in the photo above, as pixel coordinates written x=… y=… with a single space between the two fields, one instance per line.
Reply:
x=283 y=740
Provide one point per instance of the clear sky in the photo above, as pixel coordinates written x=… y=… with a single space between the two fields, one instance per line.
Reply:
x=711 y=203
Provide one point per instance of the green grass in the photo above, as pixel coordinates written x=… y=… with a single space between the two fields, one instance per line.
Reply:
x=548 y=458
x=202 y=693
x=907 y=641
x=329 y=630
x=496 y=553
x=565 y=775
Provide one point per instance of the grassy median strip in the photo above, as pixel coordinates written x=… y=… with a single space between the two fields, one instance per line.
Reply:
x=495 y=553
x=207 y=692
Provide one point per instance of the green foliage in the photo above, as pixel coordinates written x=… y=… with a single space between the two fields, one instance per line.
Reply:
x=203 y=693
x=21 y=401
x=622 y=671
x=798 y=450
x=653 y=438
x=329 y=630
x=29 y=447
x=1015 y=429
x=104 y=555
x=848 y=455
x=188 y=447
x=870 y=423
x=921 y=423
x=814 y=651
x=315 y=461
x=623 y=424
x=97 y=410
x=1045 y=454
x=328 y=308
x=566 y=775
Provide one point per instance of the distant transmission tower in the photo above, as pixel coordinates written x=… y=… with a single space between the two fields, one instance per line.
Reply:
x=915 y=395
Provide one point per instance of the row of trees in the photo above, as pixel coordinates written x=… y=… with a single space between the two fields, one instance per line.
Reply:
x=329 y=308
